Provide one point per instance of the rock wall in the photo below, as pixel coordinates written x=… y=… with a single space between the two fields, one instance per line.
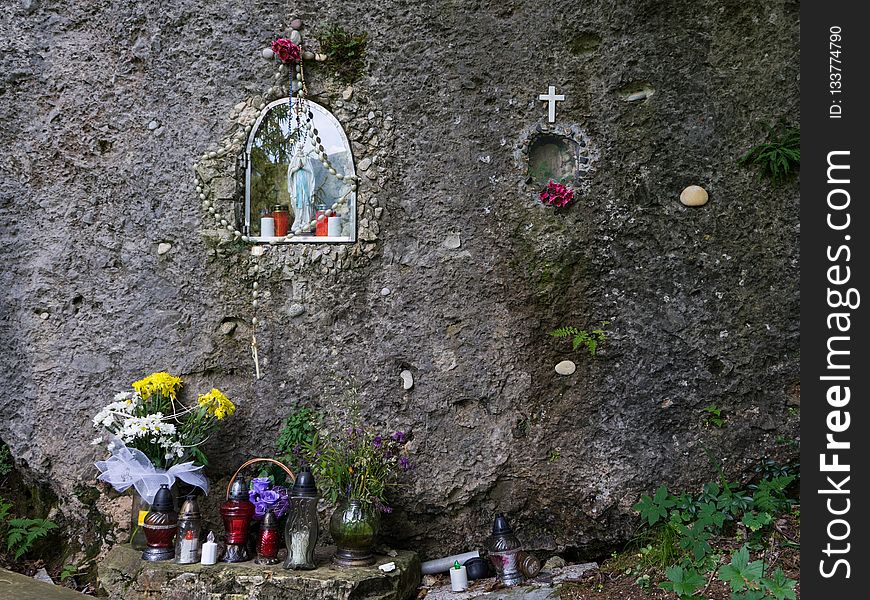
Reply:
x=106 y=107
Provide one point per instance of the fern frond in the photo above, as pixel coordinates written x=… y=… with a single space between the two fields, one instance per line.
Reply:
x=563 y=332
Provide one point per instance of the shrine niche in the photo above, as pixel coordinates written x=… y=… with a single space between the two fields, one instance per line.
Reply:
x=554 y=155
x=298 y=166
x=283 y=192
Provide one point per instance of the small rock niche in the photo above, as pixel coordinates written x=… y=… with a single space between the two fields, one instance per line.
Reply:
x=560 y=153
x=552 y=156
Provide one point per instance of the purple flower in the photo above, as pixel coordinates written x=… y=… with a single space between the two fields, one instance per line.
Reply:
x=399 y=437
x=404 y=463
x=270 y=497
x=261 y=484
x=260 y=509
x=378 y=442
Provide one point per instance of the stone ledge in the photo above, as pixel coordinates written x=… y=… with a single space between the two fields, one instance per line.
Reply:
x=125 y=576
x=21 y=587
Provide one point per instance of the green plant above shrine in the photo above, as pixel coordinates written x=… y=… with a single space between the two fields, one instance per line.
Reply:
x=345 y=52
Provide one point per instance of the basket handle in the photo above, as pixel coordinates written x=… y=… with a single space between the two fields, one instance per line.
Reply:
x=256 y=460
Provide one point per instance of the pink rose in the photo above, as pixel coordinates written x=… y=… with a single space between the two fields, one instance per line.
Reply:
x=287 y=51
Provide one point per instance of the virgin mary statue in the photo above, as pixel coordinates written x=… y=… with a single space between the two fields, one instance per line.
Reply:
x=300 y=184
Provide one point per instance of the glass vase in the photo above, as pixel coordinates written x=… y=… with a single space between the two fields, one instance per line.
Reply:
x=138 y=511
x=354 y=527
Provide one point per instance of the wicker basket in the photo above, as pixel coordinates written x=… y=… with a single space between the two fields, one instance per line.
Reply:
x=248 y=463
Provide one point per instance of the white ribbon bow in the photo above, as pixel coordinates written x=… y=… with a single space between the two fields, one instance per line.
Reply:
x=130 y=467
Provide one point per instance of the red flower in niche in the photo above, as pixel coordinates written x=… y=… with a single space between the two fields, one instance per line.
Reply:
x=557 y=194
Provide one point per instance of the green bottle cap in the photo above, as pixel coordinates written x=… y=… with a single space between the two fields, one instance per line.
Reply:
x=456 y=564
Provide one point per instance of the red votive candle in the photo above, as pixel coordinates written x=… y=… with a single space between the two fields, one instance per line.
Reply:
x=322 y=224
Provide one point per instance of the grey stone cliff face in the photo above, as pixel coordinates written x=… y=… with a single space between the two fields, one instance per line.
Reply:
x=105 y=108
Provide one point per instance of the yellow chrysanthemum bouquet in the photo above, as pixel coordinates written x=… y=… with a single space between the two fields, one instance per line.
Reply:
x=152 y=420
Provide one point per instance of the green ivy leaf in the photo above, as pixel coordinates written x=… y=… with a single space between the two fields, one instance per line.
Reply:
x=655 y=508
x=780 y=586
x=756 y=521
x=694 y=539
x=683 y=582
x=748 y=595
x=741 y=573
x=710 y=514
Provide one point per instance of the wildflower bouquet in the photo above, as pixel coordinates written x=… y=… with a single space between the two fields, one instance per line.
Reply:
x=359 y=464
x=152 y=420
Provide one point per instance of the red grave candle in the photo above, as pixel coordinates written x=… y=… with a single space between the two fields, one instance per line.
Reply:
x=322 y=224
x=282 y=219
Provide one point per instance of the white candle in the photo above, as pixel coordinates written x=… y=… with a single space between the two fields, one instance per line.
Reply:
x=458 y=579
x=209 y=550
x=267 y=227
x=333 y=227
x=298 y=546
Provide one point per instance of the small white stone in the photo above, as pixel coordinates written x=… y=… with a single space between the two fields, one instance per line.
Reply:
x=407 y=379
x=295 y=37
x=44 y=316
x=152 y=125
x=228 y=327
x=163 y=248
x=453 y=241
x=347 y=94
x=694 y=195
x=385 y=291
x=566 y=367
x=364 y=164
x=295 y=310
x=267 y=53
x=387 y=567
x=306 y=55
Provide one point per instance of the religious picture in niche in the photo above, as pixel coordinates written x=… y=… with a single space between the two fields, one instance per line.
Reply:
x=287 y=184
x=552 y=158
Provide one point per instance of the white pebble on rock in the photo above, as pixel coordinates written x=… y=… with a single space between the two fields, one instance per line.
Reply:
x=694 y=195
x=152 y=125
x=163 y=248
x=385 y=291
x=566 y=367
x=407 y=380
x=295 y=310
x=268 y=54
x=453 y=241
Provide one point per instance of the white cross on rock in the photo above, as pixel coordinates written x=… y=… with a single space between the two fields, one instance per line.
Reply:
x=551 y=97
